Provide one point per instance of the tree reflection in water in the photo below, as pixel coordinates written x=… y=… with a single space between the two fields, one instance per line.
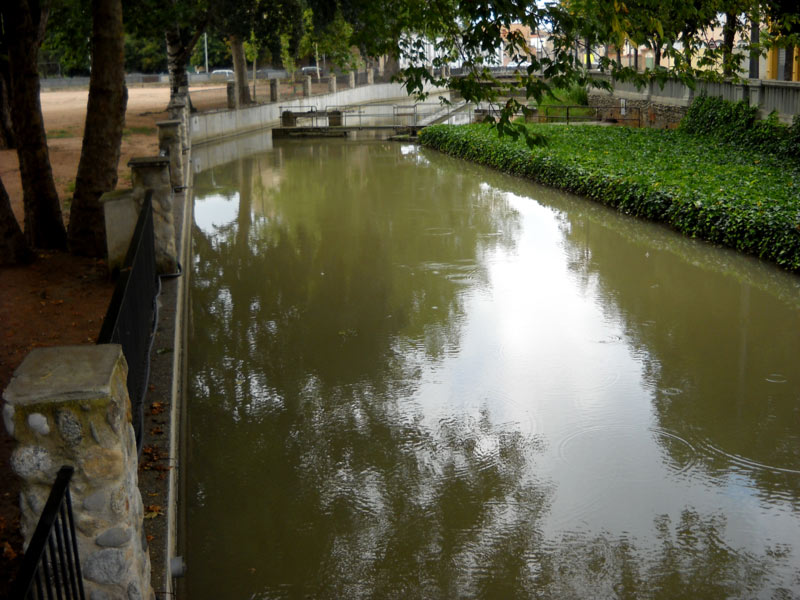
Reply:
x=314 y=313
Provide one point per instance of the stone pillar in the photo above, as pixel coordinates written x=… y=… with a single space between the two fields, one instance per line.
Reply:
x=274 y=90
x=754 y=90
x=370 y=76
x=307 y=86
x=121 y=213
x=332 y=84
x=352 y=79
x=69 y=405
x=288 y=119
x=152 y=172
x=169 y=144
x=335 y=118
x=178 y=110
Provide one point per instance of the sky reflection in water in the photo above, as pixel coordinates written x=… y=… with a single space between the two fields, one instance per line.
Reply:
x=412 y=377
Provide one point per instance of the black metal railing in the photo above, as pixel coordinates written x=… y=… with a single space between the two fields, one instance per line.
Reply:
x=130 y=316
x=51 y=567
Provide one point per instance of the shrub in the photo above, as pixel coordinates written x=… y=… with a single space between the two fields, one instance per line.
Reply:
x=737 y=123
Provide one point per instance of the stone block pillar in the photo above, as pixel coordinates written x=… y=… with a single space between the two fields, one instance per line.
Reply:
x=754 y=91
x=352 y=79
x=178 y=110
x=169 y=144
x=307 y=86
x=274 y=90
x=370 y=76
x=332 y=84
x=152 y=172
x=69 y=405
x=121 y=213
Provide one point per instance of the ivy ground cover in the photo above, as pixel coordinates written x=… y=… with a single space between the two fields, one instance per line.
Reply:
x=725 y=194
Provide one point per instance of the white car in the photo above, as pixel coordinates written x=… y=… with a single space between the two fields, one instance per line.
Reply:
x=227 y=73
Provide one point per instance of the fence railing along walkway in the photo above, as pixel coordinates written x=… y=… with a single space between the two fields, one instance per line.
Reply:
x=51 y=567
x=374 y=115
x=631 y=116
x=131 y=314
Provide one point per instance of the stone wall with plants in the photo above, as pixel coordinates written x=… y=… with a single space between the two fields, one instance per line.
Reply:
x=738 y=196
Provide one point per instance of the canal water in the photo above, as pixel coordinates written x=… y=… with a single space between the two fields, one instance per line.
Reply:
x=412 y=377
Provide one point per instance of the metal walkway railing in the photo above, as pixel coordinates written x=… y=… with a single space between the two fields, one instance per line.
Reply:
x=130 y=317
x=51 y=568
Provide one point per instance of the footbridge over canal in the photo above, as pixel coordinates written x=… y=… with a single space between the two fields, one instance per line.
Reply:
x=339 y=121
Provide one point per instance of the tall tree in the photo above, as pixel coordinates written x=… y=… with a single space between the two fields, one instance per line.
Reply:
x=105 y=118
x=23 y=26
x=180 y=23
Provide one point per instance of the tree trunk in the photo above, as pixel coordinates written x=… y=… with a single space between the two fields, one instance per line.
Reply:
x=754 y=57
x=239 y=71
x=105 y=118
x=13 y=249
x=728 y=34
x=636 y=58
x=788 y=65
x=24 y=31
x=7 y=140
x=588 y=54
x=177 y=57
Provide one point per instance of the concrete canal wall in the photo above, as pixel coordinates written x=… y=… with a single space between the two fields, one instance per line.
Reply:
x=212 y=126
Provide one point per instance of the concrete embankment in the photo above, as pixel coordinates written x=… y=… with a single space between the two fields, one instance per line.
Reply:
x=209 y=127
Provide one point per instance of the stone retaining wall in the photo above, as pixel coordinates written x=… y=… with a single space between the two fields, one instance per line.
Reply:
x=653 y=114
x=664 y=106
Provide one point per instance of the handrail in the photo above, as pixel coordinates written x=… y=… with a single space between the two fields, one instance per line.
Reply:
x=130 y=316
x=53 y=565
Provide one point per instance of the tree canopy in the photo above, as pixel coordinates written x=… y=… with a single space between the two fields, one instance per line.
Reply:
x=471 y=35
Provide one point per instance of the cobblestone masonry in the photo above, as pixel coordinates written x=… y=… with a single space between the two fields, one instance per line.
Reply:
x=70 y=406
x=653 y=114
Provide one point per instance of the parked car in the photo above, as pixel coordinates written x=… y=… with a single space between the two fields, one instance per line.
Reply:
x=227 y=73
x=311 y=70
x=267 y=73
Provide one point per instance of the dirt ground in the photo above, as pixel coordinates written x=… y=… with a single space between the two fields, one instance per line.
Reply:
x=61 y=299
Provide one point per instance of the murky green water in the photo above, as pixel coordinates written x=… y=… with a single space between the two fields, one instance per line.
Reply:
x=415 y=378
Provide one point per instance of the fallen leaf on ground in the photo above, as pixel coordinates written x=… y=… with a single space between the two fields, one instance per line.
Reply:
x=152 y=511
x=8 y=551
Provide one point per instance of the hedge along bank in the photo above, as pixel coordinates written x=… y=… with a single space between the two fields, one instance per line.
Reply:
x=743 y=199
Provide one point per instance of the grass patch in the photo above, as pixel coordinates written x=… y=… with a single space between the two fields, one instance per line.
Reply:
x=59 y=133
x=138 y=131
x=740 y=198
x=71 y=187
